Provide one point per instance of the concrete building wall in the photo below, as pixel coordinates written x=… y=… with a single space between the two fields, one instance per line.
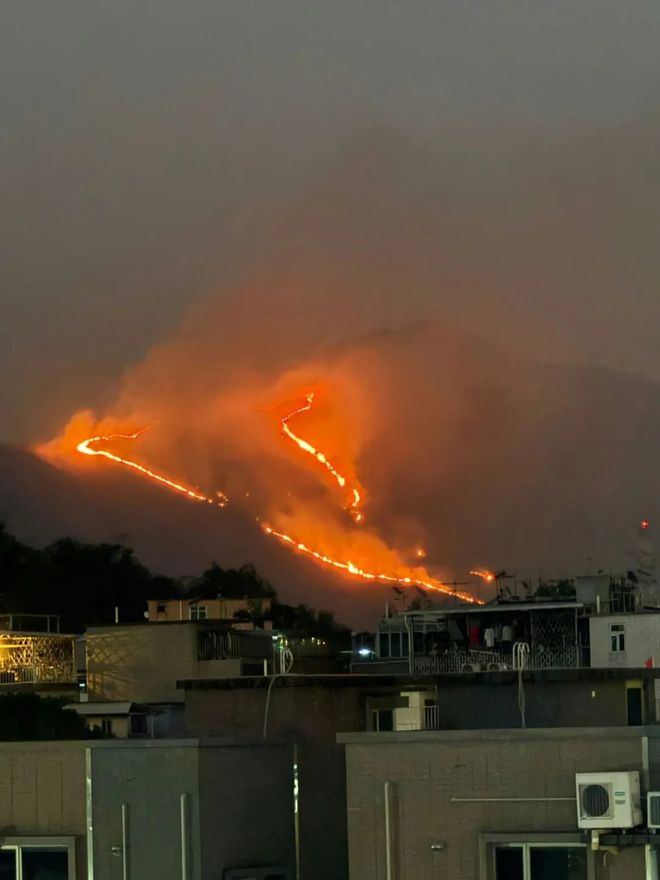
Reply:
x=550 y=700
x=251 y=788
x=238 y=804
x=310 y=717
x=429 y=774
x=216 y=805
x=140 y=663
x=150 y=782
x=642 y=640
x=216 y=609
x=42 y=792
x=119 y=726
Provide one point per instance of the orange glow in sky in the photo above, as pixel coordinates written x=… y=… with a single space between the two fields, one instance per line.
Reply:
x=368 y=570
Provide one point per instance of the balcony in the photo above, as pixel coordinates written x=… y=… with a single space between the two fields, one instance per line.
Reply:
x=36 y=658
x=493 y=661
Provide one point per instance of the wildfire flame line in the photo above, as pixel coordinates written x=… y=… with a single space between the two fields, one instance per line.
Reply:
x=357 y=515
x=85 y=448
x=221 y=500
x=367 y=575
x=487 y=576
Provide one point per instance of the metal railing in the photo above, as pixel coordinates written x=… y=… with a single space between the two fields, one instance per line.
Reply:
x=492 y=661
x=60 y=674
x=431 y=717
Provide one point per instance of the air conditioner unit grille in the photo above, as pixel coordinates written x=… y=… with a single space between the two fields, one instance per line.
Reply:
x=595 y=800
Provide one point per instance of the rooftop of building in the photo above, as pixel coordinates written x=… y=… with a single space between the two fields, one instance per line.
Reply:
x=110 y=707
x=493 y=607
x=497 y=735
x=230 y=625
x=365 y=680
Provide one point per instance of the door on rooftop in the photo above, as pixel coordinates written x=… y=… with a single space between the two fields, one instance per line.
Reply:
x=634 y=706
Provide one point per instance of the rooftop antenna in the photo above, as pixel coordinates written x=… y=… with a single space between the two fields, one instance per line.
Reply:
x=454 y=584
x=646 y=566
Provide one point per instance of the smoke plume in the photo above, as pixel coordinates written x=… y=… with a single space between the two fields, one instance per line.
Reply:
x=480 y=447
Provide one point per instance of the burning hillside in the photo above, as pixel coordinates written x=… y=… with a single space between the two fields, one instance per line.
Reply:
x=370 y=558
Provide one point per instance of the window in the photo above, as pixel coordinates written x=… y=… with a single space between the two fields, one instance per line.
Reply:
x=161 y=608
x=617 y=637
x=139 y=724
x=393 y=644
x=540 y=861
x=384 y=645
x=198 y=612
x=39 y=858
x=106 y=726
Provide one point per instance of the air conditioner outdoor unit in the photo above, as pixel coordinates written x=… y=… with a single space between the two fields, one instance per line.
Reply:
x=653 y=809
x=471 y=667
x=608 y=800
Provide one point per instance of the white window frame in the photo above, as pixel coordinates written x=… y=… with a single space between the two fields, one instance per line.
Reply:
x=617 y=638
x=488 y=843
x=19 y=843
x=197 y=608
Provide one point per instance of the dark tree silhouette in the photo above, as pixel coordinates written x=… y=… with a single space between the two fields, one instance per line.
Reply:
x=84 y=583
x=30 y=717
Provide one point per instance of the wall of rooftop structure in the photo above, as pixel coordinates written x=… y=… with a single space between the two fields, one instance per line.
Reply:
x=309 y=716
x=42 y=792
x=238 y=808
x=642 y=640
x=216 y=609
x=143 y=663
x=490 y=701
x=427 y=770
x=311 y=711
x=248 y=788
x=551 y=699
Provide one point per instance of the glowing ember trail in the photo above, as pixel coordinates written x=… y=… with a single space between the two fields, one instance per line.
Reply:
x=357 y=515
x=86 y=449
x=367 y=575
x=487 y=576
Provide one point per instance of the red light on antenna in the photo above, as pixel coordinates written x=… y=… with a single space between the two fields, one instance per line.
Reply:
x=644 y=524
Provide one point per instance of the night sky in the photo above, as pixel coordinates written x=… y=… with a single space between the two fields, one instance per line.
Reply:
x=149 y=152
x=442 y=217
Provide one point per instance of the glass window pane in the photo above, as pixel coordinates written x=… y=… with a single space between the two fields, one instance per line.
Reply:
x=384 y=645
x=8 y=864
x=45 y=863
x=558 y=863
x=509 y=863
x=395 y=644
